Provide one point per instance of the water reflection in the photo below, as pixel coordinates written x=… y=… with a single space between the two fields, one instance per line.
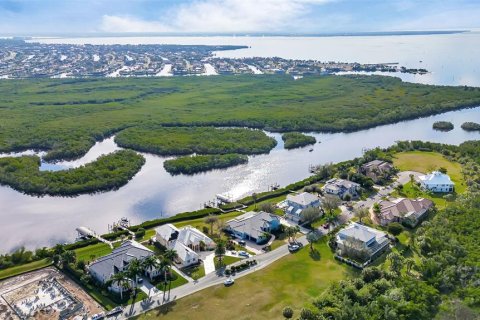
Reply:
x=153 y=192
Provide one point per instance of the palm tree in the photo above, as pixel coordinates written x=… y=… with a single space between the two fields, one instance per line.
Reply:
x=121 y=279
x=133 y=271
x=68 y=257
x=211 y=220
x=170 y=255
x=377 y=209
x=163 y=266
x=150 y=263
x=220 y=251
x=295 y=230
x=254 y=197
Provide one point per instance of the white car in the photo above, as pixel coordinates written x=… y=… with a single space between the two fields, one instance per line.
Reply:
x=243 y=254
x=229 y=281
x=98 y=316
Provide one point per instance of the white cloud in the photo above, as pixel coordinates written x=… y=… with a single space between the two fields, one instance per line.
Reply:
x=219 y=16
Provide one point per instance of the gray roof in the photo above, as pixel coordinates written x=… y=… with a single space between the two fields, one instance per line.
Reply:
x=303 y=198
x=119 y=258
x=252 y=222
x=359 y=232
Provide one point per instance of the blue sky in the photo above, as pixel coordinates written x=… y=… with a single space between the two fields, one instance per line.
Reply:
x=234 y=16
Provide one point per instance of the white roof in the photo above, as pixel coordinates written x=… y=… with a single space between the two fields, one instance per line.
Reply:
x=166 y=231
x=360 y=232
x=303 y=198
x=184 y=253
x=191 y=236
x=436 y=178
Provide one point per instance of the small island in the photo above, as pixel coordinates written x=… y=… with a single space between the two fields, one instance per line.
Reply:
x=297 y=140
x=202 y=163
x=108 y=172
x=443 y=126
x=471 y=126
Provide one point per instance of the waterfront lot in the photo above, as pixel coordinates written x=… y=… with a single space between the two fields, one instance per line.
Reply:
x=424 y=162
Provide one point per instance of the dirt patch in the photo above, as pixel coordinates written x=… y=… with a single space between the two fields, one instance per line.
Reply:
x=44 y=294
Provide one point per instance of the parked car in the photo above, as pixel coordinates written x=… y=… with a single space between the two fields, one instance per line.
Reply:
x=242 y=243
x=229 y=281
x=326 y=226
x=115 y=311
x=243 y=254
x=294 y=247
x=234 y=252
x=98 y=316
x=139 y=280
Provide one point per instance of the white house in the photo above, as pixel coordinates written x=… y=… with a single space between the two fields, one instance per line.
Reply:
x=297 y=203
x=105 y=267
x=437 y=182
x=186 y=241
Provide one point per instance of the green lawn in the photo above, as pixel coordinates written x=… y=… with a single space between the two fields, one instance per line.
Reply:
x=294 y=280
x=427 y=161
x=93 y=252
x=195 y=272
x=226 y=260
x=14 y=271
x=179 y=281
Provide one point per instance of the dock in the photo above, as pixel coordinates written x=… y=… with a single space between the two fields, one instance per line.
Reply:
x=89 y=233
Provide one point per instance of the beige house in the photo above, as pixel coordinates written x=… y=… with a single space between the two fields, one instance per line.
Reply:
x=403 y=210
x=376 y=169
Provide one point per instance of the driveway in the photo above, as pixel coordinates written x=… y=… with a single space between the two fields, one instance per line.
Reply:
x=209 y=263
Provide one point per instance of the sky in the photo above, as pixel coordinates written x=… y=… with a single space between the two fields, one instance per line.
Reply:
x=32 y=17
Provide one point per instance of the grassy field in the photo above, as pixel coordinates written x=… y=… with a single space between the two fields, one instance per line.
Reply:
x=294 y=280
x=93 y=252
x=427 y=161
x=194 y=272
x=66 y=117
x=35 y=265
x=226 y=260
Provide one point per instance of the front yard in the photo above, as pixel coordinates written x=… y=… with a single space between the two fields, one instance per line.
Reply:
x=293 y=280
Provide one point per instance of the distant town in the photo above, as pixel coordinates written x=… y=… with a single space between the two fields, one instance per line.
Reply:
x=20 y=59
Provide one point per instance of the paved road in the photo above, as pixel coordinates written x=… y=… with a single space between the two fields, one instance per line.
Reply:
x=263 y=260
x=209 y=280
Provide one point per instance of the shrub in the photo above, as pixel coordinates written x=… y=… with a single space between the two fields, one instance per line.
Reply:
x=395 y=228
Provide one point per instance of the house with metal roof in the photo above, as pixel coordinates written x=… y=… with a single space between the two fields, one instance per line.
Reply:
x=105 y=267
x=437 y=182
x=359 y=240
x=297 y=203
x=254 y=226
x=186 y=241
x=403 y=210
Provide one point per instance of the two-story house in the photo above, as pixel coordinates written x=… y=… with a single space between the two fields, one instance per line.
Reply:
x=254 y=226
x=361 y=241
x=297 y=203
x=437 y=182
x=340 y=187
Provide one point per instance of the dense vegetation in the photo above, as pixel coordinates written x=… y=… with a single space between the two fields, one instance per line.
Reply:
x=294 y=140
x=443 y=126
x=471 y=126
x=201 y=140
x=108 y=172
x=195 y=164
x=66 y=116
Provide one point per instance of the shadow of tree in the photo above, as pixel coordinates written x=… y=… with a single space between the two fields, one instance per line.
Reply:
x=314 y=254
x=164 y=309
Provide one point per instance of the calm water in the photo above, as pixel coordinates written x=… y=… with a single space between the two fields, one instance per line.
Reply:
x=153 y=193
